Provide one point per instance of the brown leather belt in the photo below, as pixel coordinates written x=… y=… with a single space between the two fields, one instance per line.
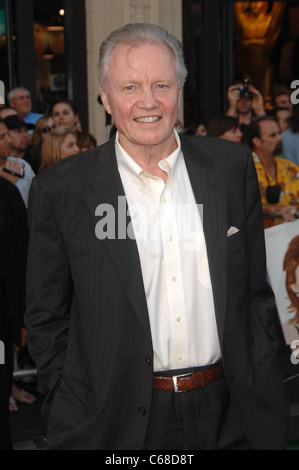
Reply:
x=187 y=382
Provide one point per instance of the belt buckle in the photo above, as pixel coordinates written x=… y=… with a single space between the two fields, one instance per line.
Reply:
x=175 y=381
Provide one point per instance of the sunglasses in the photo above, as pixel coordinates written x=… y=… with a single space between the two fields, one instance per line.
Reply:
x=47 y=129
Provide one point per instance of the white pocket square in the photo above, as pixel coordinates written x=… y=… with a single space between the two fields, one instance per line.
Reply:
x=231 y=231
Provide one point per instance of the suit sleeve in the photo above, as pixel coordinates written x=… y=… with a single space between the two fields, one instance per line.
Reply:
x=49 y=292
x=263 y=305
x=13 y=247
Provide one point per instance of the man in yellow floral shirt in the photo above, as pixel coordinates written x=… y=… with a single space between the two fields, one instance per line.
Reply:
x=278 y=177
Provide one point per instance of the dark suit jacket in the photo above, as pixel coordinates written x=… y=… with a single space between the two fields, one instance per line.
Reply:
x=13 y=256
x=87 y=318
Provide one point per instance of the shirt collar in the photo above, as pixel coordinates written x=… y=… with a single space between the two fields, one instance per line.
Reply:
x=132 y=169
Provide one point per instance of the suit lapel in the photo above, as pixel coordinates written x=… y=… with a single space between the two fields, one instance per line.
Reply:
x=208 y=187
x=104 y=186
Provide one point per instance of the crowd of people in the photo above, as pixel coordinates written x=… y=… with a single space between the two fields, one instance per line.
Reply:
x=30 y=143
x=273 y=138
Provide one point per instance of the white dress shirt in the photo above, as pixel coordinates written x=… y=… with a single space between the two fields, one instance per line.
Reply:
x=168 y=230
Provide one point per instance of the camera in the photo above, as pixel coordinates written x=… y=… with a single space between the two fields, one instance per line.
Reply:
x=244 y=90
x=273 y=194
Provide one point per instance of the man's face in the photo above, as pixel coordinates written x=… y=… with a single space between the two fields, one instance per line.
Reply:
x=283 y=117
x=21 y=102
x=283 y=101
x=19 y=138
x=143 y=96
x=271 y=141
x=244 y=106
x=5 y=142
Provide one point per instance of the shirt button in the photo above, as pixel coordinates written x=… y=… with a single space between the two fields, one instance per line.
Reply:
x=140 y=189
x=142 y=411
x=180 y=358
x=173 y=278
x=164 y=200
x=178 y=319
x=170 y=239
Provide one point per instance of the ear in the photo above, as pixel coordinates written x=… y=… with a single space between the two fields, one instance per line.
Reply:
x=256 y=141
x=105 y=100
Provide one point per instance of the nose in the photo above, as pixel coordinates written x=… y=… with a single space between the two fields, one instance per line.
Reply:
x=148 y=99
x=8 y=140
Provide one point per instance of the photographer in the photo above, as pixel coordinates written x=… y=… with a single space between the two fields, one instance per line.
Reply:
x=278 y=177
x=245 y=103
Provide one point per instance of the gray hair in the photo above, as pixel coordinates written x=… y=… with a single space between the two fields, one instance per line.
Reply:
x=12 y=93
x=136 y=34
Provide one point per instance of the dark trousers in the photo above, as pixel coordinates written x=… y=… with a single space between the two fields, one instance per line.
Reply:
x=202 y=419
x=6 y=372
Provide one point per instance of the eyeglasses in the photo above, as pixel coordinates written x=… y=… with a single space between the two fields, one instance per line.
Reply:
x=47 y=129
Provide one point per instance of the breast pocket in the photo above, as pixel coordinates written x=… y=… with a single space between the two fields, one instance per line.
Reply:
x=236 y=239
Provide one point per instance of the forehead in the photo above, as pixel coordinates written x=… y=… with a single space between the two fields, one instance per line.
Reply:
x=69 y=138
x=269 y=127
x=60 y=107
x=142 y=58
x=21 y=94
x=283 y=99
x=7 y=112
x=19 y=130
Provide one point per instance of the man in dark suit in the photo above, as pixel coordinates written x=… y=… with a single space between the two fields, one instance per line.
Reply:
x=13 y=254
x=147 y=277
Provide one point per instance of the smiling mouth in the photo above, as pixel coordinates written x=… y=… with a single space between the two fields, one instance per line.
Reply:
x=148 y=119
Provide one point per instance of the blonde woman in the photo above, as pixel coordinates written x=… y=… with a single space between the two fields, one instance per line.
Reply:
x=59 y=144
x=43 y=127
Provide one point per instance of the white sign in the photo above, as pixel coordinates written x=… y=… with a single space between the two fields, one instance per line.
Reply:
x=282 y=247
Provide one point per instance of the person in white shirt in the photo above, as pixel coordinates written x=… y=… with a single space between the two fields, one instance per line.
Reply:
x=17 y=130
x=149 y=316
